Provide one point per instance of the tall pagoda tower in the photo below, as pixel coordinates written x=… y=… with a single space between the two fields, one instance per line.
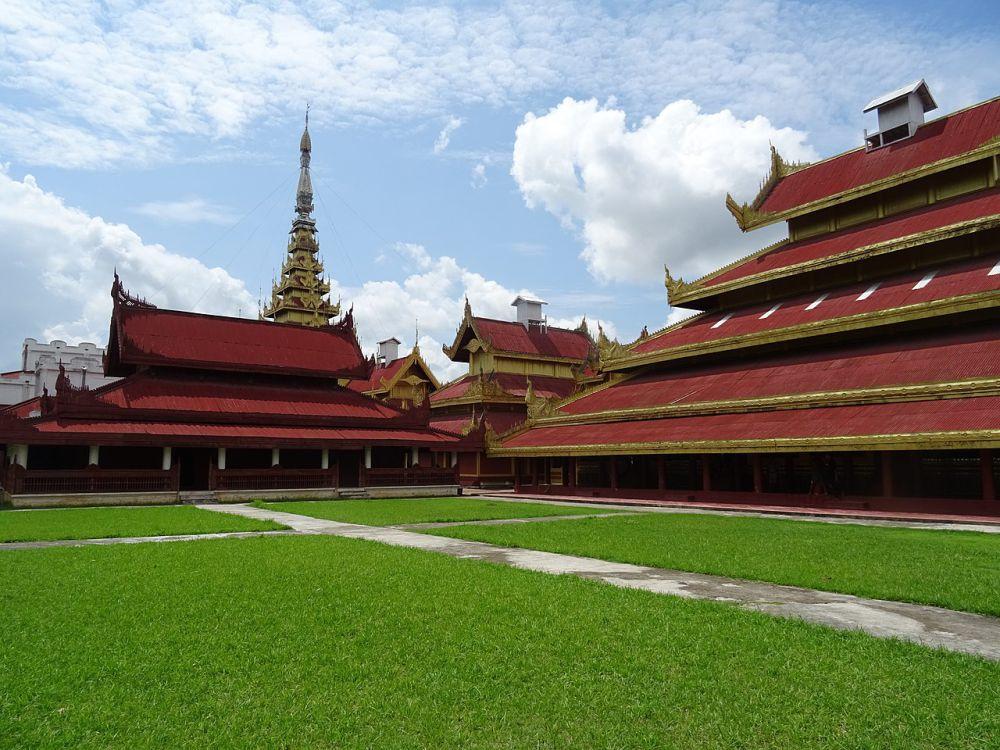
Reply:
x=300 y=295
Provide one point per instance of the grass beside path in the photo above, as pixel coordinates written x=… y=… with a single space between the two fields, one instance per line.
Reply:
x=326 y=642
x=954 y=569
x=98 y=523
x=389 y=512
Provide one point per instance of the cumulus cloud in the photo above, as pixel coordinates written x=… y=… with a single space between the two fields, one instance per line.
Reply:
x=434 y=297
x=444 y=137
x=58 y=263
x=100 y=87
x=652 y=193
x=186 y=211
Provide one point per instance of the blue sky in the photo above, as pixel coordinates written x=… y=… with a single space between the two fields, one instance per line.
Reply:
x=566 y=149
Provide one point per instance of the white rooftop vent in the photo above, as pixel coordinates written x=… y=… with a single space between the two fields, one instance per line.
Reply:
x=388 y=350
x=900 y=113
x=529 y=310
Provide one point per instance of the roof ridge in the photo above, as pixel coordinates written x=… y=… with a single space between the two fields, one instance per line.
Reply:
x=923 y=125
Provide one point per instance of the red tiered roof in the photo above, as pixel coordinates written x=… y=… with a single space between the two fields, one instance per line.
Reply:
x=241 y=434
x=951 y=280
x=947 y=357
x=516 y=385
x=977 y=206
x=936 y=140
x=182 y=393
x=142 y=335
x=379 y=374
x=914 y=417
x=507 y=336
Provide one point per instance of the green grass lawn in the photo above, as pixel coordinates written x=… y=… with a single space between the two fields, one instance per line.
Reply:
x=96 y=523
x=954 y=569
x=388 y=512
x=326 y=642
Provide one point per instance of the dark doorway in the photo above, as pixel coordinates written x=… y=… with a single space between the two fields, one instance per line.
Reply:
x=349 y=467
x=195 y=464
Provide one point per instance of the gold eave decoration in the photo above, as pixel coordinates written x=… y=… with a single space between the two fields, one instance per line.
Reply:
x=956 y=440
x=697 y=291
x=748 y=217
x=973 y=388
x=919 y=311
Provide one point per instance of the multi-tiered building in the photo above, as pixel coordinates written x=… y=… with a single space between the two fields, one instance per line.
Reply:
x=228 y=406
x=855 y=362
x=514 y=366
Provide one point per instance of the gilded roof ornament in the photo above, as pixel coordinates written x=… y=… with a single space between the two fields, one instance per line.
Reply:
x=675 y=287
x=747 y=215
x=608 y=349
x=300 y=295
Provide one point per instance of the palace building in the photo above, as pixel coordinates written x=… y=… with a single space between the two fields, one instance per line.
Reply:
x=855 y=363
x=404 y=382
x=229 y=406
x=511 y=365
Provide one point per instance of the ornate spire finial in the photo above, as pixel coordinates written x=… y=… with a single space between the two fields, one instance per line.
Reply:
x=304 y=194
x=300 y=295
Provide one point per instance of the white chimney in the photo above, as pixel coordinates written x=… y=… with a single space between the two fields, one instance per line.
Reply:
x=388 y=350
x=900 y=113
x=529 y=311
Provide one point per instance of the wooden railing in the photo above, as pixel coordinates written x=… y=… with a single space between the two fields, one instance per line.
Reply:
x=19 y=481
x=414 y=476
x=274 y=478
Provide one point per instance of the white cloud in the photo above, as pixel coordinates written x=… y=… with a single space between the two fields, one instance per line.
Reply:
x=650 y=194
x=58 y=263
x=435 y=297
x=479 y=178
x=444 y=137
x=186 y=211
x=101 y=86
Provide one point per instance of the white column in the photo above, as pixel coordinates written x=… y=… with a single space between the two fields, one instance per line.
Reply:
x=18 y=454
x=414 y=456
x=168 y=457
x=95 y=455
x=275 y=456
x=220 y=462
x=368 y=456
x=325 y=460
x=454 y=458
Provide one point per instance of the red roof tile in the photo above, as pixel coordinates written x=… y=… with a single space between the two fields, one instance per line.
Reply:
x=947 y=213
x=514 y=384
x=936 y=140
x=914 y=417
x=165 y=392
x=507 y=336
x=379 y=373
x=947 y=357
x=951 y=280
x=150 y=336
x=110 y=430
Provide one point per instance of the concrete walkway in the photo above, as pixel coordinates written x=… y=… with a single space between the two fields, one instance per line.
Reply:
x=930 y=626
x=45 y=544
x=508 y=521
x=983 y=527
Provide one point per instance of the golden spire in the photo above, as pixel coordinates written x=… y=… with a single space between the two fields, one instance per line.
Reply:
x=300 y=295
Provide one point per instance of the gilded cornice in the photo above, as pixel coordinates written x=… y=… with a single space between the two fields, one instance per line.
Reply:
x=608 y=349
x=919 y=311
x=748 y=217
x=851 y=397
x=539 y=406
x=956 y=440
x=697 y=290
